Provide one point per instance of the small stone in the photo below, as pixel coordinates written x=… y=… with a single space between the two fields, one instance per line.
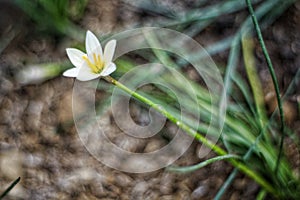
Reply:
x=11 y=163
x=139 y=189
x=34 y=112
x=200 y=192
x=166 y=183
x=123 y=180
x=154 y=145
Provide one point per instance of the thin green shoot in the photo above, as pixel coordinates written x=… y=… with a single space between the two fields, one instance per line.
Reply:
x=201 y=164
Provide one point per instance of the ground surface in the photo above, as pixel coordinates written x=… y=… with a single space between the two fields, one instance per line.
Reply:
x=39 y=142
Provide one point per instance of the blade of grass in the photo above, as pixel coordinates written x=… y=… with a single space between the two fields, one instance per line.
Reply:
x=271 y=15
x=211 y=50
x=274 y=79
x=243 y=87
x=249 y=61
x=10 y=187
x=210 y=12
x=200 y=165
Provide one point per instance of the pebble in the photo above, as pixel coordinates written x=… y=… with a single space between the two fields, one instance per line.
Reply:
x=11 y=163
x=166 y=183
x=200 y=192
x=34 y=111
x=139 y=189
x=123 y=180
x=153 y=145
x=33 y=160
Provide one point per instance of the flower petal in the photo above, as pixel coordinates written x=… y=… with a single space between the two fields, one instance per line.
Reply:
x=85 y=74
x=109 y=51
x=111 y=67
x=96 y=51
x=75 y=56
x=73 y=72
x=92 y=44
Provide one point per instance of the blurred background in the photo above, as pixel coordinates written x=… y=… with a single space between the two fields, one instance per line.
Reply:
x=38 y=139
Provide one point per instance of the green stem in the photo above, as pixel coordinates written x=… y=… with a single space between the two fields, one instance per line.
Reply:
x=274 y=79
x=218 y=150
x=200 y=165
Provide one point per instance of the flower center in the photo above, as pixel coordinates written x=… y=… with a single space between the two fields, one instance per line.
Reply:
x=97 y=65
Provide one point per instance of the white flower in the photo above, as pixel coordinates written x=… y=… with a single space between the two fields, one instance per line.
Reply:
x=94 y=63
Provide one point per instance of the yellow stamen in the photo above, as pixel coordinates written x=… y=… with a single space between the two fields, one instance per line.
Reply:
x=97 y=65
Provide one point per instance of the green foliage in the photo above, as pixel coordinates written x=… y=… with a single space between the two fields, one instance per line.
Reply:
x=54 y=16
